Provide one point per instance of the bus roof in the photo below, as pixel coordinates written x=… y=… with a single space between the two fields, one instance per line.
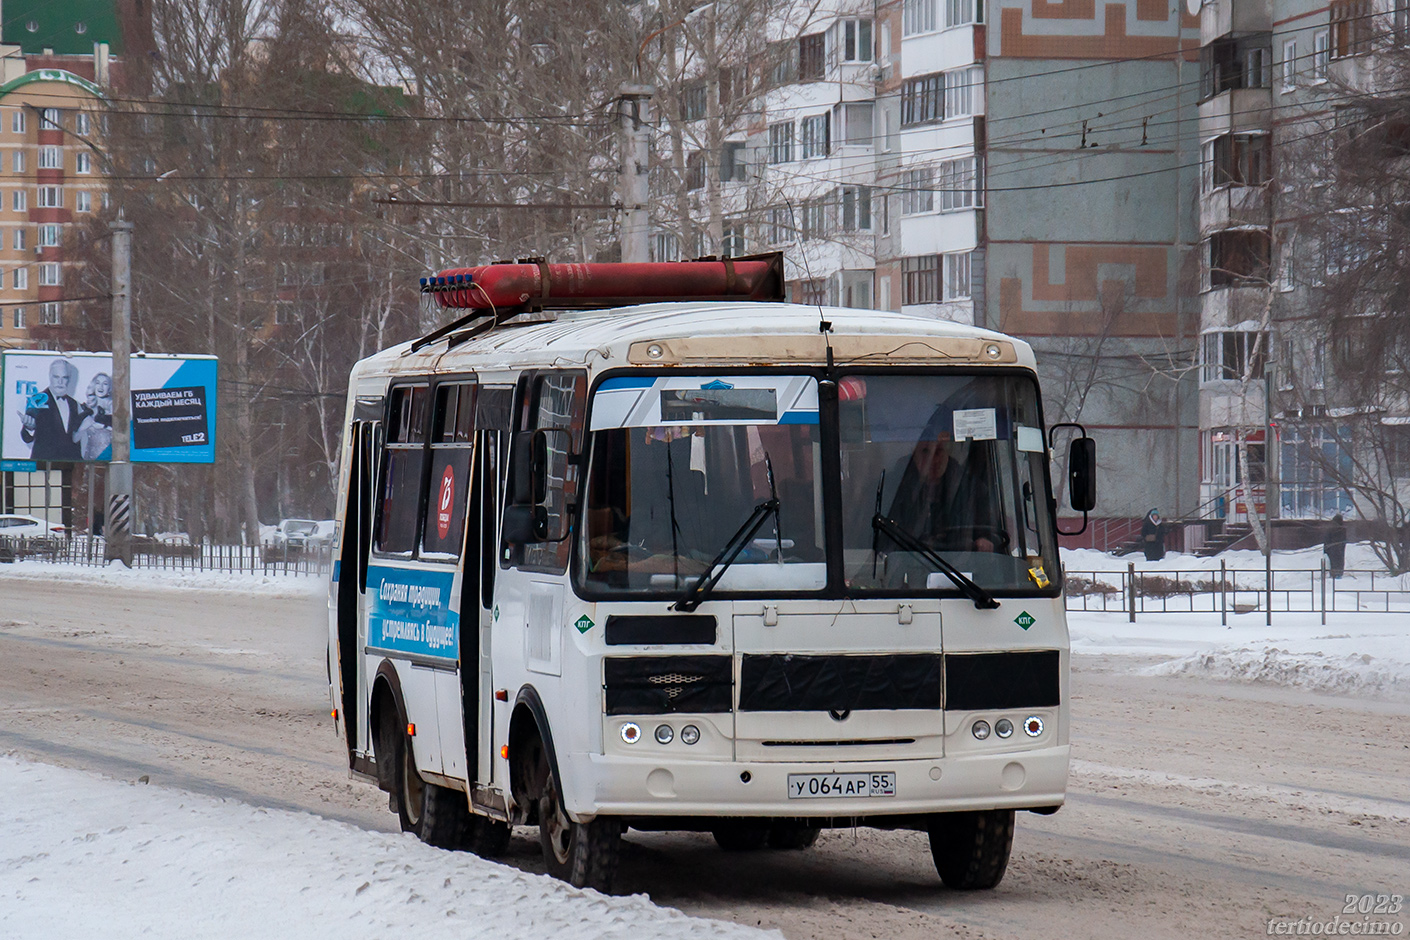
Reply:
x=708 y=334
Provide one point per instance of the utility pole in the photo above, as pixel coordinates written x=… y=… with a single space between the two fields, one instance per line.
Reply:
x=118 y=528
x=634 y=102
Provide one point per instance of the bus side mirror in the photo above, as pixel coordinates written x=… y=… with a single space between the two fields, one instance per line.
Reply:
x=1082 y=474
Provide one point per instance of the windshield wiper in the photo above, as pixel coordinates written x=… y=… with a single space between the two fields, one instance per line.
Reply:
x=696 y=594
x=983 y=600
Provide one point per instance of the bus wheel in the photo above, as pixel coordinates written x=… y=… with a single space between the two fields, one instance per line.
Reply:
x=583 y=854
x=487 y=838
x=971 y=850
x=740 y=836
x=411 y=789
x=793 y=837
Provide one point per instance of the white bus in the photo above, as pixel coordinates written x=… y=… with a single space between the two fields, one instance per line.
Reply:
x=720 y=564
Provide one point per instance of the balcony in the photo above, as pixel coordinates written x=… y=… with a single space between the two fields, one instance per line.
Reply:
x=1234 y=207
x=1227 y=308
x=1237 y=110
x=1219 y=18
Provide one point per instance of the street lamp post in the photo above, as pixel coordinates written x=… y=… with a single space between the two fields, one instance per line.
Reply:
x=118 y=527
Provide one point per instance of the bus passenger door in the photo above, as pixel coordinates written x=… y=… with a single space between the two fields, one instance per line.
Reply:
x=351 y=611
x=492 y=416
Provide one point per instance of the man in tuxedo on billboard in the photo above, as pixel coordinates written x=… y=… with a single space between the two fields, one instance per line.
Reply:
x=51 y=417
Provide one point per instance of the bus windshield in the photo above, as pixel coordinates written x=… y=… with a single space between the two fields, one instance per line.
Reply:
x=676 y=465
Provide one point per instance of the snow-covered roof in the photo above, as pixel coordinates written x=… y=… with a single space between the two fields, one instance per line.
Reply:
x=682 y=334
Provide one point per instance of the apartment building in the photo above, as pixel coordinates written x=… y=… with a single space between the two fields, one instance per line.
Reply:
x=1020 y=164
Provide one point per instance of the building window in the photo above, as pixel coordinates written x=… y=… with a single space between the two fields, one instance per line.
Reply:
x=19 y=200
x=781 y=142
x=665 y=246
x=17 y=122
x=82 y=124
x=19 y=239
x=1400 y=21
x=963 y=12
x=958 y=182
x=812 y=57
x=19 y=318
x=732 y=241
x=21 y=279
x=960 y=88
x=813 y=136
x=50 y=236
x=856 y=209
x=923 y=100
x=695 y=170
x=695 y=101
x=813 y=293
x=1232 y=63
x=51 y=197
x=1351 y=27
x=83 y=162
x=1289 y=64
x=1227 y=354
x=917 y=193
x=780 y=225
x=18 y=161
x=51 y=158
x=918 y=16
x=83 y=201
x=1235 y=160
x=49 y=315
x=815 y=218
x=784 y=59
x=853 y=40
x=732 y=162
x=1237 y=257
x=51 y=119
x=920 y=280
x=1320 y=55
x=854 y=123
x=49 y=275
x=957 y=275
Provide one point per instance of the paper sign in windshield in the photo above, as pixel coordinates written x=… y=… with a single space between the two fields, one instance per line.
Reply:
x=978 y=424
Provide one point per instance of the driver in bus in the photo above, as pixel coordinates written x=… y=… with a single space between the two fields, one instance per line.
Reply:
x=943 y=498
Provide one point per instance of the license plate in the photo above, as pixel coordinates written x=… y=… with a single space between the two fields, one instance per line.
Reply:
x=823 y=786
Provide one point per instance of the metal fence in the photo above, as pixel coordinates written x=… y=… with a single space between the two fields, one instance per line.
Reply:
x=1236 y=591
x=152 y=553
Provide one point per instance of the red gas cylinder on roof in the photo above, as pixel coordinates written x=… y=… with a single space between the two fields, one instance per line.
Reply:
x=539 y=284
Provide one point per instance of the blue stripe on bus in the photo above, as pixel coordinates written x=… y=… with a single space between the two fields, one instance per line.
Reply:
x=798 y=417
x=623 y=382
x=337 y=570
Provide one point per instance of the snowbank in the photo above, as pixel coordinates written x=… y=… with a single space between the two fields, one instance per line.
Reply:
x=1355 y=653
x=1359 y=557
x=168 y=579
x=85 y=856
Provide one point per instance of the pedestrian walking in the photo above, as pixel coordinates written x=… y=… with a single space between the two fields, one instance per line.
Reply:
x=1335 y=546
x=1153 y=536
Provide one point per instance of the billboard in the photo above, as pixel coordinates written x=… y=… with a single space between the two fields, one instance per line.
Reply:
x=59 y=407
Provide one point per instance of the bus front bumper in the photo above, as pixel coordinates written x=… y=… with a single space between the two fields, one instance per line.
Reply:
x=618 y=786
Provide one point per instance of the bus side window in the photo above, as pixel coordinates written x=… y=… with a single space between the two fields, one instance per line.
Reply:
x=558 y=401
x=403 y=463
x=493 y=412
x=452 y=443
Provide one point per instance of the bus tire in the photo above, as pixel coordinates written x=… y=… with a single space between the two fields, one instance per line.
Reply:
x=741 y=836
x=794 y=837
x=971 y=849
x=487 y=838
x=583 y=854
x=445 y=817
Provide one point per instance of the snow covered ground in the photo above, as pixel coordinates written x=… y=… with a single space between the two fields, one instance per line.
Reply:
x=84 y=856
x=175 y=579
x=1356 y=652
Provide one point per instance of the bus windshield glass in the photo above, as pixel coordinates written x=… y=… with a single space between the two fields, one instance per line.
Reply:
x=938 y=471
x=946 y=465
x=678 y=465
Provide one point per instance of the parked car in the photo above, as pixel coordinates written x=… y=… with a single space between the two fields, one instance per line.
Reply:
x=296 y=533
x=27 y=527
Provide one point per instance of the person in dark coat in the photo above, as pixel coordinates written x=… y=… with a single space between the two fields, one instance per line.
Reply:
x=51 y=417
x=1335 y=546
x=1153 y=536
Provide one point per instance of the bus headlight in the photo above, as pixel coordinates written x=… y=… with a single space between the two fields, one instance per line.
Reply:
x=664 y=734
x=980 y=729
x=1032 y=726
x=690 y=734
x=631 y=732
x=1003 y=727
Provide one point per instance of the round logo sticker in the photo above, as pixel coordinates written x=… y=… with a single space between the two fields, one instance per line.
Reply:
x=443 y=502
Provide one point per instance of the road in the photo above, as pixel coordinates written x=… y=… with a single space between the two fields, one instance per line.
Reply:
x=1195 y=807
